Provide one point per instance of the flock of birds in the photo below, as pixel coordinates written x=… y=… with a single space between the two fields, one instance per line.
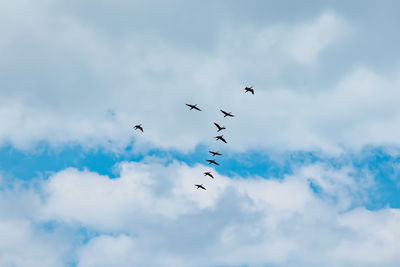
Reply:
x=217 y=138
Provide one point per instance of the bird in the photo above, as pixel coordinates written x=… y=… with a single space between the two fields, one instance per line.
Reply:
x=221 y=137
x=193 y=107
x=229 y=114
x=249 y=89
x=200 y=186
x=208 y=174
x=220 y=128
x=212 y=161
x=138 y=127
x=215 y=153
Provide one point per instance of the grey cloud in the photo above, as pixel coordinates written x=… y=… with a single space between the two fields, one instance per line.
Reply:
x=66 y=64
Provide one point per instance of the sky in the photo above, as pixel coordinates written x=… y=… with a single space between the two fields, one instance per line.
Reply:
x=310 y=174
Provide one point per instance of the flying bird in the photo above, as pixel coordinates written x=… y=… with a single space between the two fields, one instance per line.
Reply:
x=220 y=137
x=208 y=174
x=138 y=127
x=229 y=114
x=220 y=128
x=249 y=89
x=212 y=161
x=215 y=153
x=200 y=186
x=193 y=107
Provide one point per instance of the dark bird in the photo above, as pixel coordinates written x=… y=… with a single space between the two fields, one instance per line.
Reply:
x=249 y=89
x=212 y=161
x=193 y=107
x=138 y=127
x=220 y=128
x=215 y=153
x=208 y=174
x=229 y=114
x=200 y=186
x=220 y=137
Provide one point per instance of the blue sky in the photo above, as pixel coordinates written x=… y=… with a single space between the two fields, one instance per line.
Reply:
x=310 y=173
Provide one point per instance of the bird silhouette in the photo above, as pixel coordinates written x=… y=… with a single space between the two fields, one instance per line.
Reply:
x=249 y=89
x=208 y=174
x=193 y=107
x=221 y=137
x=138 y=127
x=229 y=114
x=212 y=161
x=215 y=153
x=200 y=186
x=220 y=128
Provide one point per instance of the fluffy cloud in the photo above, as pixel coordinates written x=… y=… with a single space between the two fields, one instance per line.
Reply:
x=68 y=75
x=108 y=251
x=25 y=239
x=154 y=209
x=151 y=214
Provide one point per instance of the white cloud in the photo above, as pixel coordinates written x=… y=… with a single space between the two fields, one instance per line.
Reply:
x=155 y=210
x=24 y=239
x=22 y=245
x=108 y=251
x=152 y=215
x=371 y=240
x=65 y=78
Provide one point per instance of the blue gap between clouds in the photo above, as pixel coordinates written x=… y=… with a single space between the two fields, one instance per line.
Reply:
x=44 y=160
x=27 y=165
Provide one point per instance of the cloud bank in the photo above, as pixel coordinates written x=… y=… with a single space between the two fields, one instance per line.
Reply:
x=67 y=80
x=82 y=74
x=151 y=215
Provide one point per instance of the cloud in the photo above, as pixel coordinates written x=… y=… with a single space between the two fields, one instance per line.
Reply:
x=108 y=251
x=308 y=41
x=25 y=239
x=154 y=209
x=89 y=88
x=67 y=75
x=151 y=214
x=67 y=78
